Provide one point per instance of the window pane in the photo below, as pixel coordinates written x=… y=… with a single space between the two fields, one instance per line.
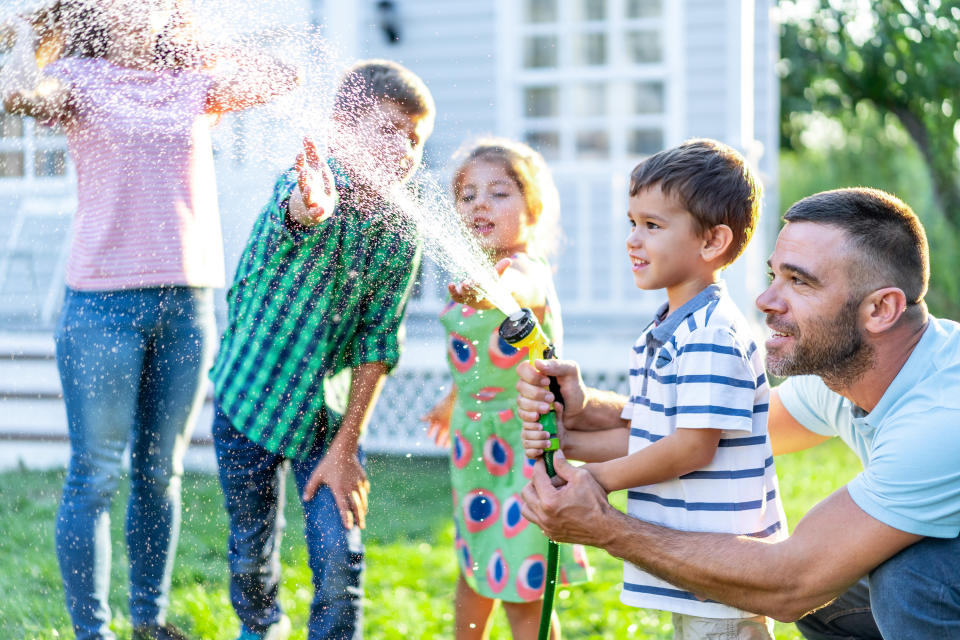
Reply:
x=648 y=97
x=542 y=102
x=541 y=10
x=593 y=144
x=590 y=99
x=644 y=8
x=645 y=142
x=540 y=51
x=591 y=10
x=51 y=163
x=590 y=49
x=644 y=46
x=546 y=142
x=11 y=126
x=11 y=164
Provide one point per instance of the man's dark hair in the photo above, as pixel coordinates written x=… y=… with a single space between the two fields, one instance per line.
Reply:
x=369 y=82
x=711 y=181
x=890 y=239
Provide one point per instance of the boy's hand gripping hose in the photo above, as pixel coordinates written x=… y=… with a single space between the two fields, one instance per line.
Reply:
x=521 y=329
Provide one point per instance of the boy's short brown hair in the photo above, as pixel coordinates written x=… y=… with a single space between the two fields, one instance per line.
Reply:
x=369 y=82
x=711 y=181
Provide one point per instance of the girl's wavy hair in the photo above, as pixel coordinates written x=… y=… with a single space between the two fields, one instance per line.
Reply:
x=529 y=171
x=84 y=32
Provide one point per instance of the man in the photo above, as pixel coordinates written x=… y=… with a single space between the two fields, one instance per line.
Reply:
x=845 y=303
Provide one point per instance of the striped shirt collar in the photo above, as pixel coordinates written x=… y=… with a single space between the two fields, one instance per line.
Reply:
x=668 y=325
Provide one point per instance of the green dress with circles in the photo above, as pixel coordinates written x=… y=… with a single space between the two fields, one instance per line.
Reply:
x=501 y=554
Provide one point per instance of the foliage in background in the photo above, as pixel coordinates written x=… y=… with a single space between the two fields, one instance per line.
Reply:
x=869 y=97
x=411 y=568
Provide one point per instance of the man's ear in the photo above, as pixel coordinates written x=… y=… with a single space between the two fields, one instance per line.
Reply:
x=716 y=241
x=881 y=309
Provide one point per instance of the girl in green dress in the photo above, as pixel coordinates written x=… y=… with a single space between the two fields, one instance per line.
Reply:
x=505 y=195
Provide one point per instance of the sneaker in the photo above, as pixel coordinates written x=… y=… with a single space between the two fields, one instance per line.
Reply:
x=158 y=632
x=279 y=630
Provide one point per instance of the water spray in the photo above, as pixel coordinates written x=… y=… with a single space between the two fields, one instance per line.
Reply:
x=521 y=329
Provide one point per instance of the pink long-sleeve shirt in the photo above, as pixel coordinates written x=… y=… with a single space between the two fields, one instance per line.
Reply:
x=147 y=211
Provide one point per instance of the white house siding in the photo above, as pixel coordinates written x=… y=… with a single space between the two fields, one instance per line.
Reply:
x=452 y=46
x=705 y=68
x=710 y=94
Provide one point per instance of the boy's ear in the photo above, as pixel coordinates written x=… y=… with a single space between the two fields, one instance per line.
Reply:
x=716 y=240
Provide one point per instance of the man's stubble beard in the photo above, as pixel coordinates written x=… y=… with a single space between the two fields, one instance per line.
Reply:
x=832 y=348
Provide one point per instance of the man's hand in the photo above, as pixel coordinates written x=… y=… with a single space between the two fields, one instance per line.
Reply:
x=534 y=398
x=348 y=482
x=572 y=512
x=318 y=191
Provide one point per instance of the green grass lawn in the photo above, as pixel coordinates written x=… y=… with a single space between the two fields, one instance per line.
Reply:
x=410 y=563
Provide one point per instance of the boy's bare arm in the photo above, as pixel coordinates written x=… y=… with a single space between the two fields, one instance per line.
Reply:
x=257 y=78
x=340 y=469
x=588 y=445
x=681 y=452
x=596 y=446
x=585 y=408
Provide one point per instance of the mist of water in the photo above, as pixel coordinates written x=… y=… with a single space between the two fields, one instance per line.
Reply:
x=269 y=136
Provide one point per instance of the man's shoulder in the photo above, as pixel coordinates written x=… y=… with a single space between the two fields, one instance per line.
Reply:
x=934 y=387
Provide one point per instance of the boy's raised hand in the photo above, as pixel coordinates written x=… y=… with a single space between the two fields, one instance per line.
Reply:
x=318 y=190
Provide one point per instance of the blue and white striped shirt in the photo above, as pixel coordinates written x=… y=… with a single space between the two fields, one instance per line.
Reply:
x=699 y=368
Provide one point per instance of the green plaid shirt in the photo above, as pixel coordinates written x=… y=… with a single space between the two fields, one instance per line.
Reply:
x=307 y=304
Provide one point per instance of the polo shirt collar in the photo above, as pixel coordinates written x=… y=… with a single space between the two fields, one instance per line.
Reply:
x=663 y=331
x=907 y=378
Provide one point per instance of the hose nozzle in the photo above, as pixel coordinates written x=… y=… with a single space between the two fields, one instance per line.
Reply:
x=521 y=329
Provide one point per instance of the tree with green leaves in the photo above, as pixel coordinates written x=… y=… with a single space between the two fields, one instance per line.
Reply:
x=901 y=56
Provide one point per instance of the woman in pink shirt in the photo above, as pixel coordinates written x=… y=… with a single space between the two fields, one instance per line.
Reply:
x=136 y=96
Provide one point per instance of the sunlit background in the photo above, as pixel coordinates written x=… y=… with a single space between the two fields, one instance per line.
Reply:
x=817 y=94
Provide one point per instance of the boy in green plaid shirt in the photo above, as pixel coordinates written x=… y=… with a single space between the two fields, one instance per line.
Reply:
x=314 y=314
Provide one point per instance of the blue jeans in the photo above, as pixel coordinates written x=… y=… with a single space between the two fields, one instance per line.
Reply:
x=914 y=594
x=132 y=366
x=253 y=485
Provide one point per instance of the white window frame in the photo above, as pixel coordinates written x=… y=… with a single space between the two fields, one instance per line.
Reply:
x=513 y=78
x=29 y=144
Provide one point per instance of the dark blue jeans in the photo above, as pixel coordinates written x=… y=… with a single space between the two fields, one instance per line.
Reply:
x=253 y=485
x=133 y=369
x=914 y=594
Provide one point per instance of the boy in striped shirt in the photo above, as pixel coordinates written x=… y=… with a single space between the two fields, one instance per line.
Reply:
x=691 y=442
x=317 y=299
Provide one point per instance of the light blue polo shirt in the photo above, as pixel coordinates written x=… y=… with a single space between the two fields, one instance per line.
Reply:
x=909 y=444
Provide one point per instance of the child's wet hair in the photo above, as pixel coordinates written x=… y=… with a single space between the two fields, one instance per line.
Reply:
x=529 y=171
x=712 y=181
x=370 y=82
